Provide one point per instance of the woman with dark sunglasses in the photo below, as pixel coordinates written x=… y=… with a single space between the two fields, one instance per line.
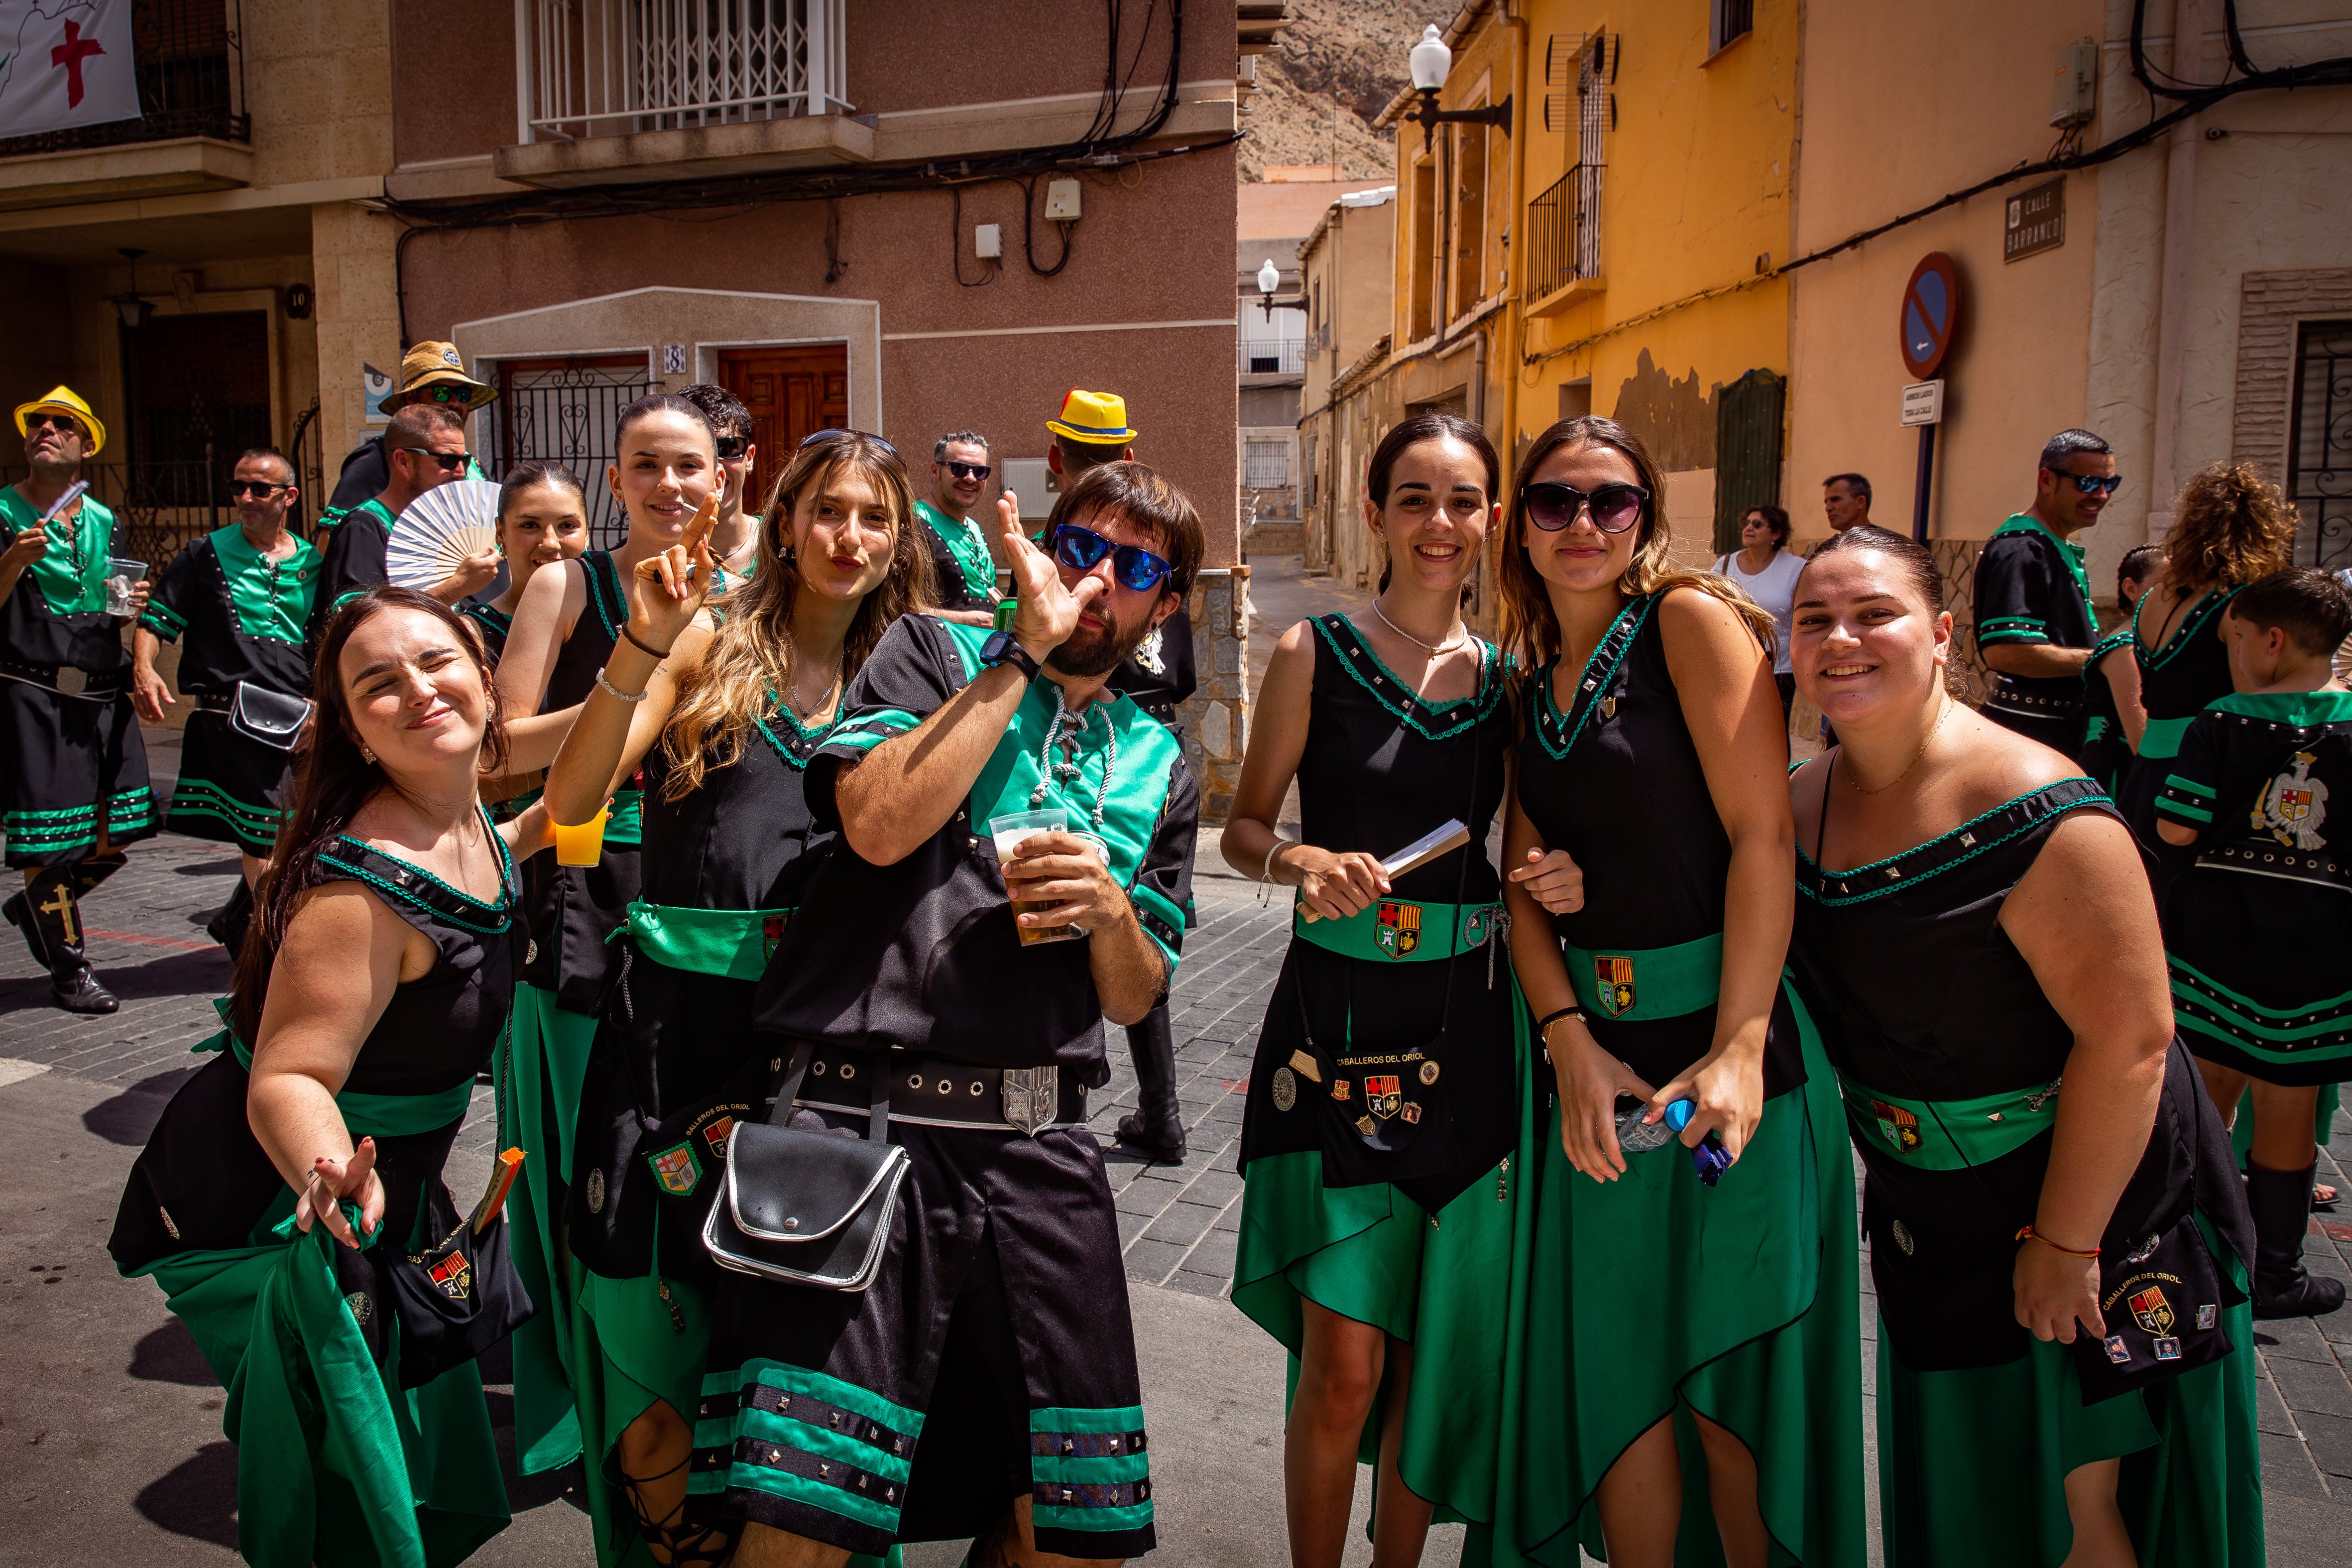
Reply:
x=1385 y=1104
x=720 y=720
x=1689 y=1345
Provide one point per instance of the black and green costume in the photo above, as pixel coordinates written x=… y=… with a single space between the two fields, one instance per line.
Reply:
x=1653 y=1297
x=2031 y=589
x=1389 y=1091
x=2176 y=681
x=350 y=562
x=964 y=574
x=994 y=1357
x=74 y=755
x=676 y=1065
x=571 y=913
x=1950 y=1060
x=363 y=1435
x=2106 y=749
x=242 y=615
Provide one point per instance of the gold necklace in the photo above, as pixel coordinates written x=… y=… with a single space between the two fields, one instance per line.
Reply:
x=1933 y=731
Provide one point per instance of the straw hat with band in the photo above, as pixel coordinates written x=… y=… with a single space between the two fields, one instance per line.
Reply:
x=1097 y=418
x=437 y=365
x=63 y=399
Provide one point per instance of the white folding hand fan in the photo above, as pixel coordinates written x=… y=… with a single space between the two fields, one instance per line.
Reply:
x=439 y=530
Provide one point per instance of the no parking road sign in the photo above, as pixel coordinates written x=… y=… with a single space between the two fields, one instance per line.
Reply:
x=1931 y=314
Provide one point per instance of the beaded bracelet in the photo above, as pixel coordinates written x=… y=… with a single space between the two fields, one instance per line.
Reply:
x=2030 y=1234
x=613 y=691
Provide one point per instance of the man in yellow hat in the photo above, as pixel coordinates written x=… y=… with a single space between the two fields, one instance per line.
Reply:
x=1092 y=430
x=430 y=372
x=73 y=770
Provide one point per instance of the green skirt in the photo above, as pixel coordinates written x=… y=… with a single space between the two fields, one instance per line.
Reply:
x=336 y=1464
x=634 y=1342
x=539 y=1077
x=1653 y=1297
x=1972 y=1465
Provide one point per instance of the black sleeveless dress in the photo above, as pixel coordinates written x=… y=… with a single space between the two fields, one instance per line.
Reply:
x=1388 y=1095
x=2176 y=682
x=1754 y=1323
x=1950 y=1060
x=284 y=1318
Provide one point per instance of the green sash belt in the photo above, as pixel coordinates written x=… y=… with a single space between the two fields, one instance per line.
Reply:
x=369 y=1115
x=627 y=824
x=2162 y=737
x=1949 y=1134
x=1632 y=983
x=731 y=943
x=1394 y=931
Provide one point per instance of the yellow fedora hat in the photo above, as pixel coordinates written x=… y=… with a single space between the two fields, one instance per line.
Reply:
x=63 y=399
x=1096 y=417
x=434 y=364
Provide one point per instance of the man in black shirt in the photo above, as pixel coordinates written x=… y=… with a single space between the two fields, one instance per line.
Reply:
x=2035 y=622
x=426 y=447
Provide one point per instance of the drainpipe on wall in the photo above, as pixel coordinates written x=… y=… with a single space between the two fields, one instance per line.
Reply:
x=2172 y=309
x=1509 y=322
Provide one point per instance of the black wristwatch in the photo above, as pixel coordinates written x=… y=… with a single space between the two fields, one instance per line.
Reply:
x=1000 y=649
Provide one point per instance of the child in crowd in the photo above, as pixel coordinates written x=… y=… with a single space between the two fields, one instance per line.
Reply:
x=2259 y=934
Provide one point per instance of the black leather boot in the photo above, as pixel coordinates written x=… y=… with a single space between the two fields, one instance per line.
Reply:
x=47 y=914
x=2282 y=1286
x=235 y=917
x=1156 y=1130
x=88 y=874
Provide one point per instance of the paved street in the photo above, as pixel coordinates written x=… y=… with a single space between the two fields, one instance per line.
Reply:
x=111 y=1424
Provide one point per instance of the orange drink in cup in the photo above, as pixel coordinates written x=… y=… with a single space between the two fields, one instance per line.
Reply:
x=582 y=844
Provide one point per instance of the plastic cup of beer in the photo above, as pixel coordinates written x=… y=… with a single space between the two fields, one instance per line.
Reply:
x=121 y=575
x=1010 y=832
x=582 y=844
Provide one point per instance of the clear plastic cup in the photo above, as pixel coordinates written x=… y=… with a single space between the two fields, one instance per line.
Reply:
x=1010 y=832
x=581 y=844
x=121 y=575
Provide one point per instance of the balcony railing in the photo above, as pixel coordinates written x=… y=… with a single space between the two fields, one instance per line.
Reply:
x=1273 y=356
x=613 y=68
x=191 y=59
x=1564 y=232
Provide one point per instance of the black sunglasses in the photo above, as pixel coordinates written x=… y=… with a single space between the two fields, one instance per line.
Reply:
x=65 y=423
x=447 y=462
x=1082 y=549
x=815 y=435
x=2091 y=484
x=1552 y=506
x=259 y=490
x=970 y=470
x=733 y=446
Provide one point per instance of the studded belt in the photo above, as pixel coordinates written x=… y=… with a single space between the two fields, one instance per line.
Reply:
x=67 y=681
x=932 y=1091
x=2295 y=866
x=2008 y=697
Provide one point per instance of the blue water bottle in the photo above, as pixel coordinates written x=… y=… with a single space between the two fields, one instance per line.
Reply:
x=1635 y=1136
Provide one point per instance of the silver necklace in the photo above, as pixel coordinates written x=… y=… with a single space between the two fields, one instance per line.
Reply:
x=1435 y=651
x=1065 y=768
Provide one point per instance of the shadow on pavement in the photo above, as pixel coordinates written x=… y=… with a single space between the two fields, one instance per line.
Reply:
x=209 y=867
x=130 y=1117
x=169 y=1354
x=204 y=974
x=197 y=1497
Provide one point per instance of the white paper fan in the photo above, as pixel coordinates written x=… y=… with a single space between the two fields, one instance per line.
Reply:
x=440 y=529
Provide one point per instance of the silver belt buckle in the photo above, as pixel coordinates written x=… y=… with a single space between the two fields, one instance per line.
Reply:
x=1031 y=1097
x=72 y=682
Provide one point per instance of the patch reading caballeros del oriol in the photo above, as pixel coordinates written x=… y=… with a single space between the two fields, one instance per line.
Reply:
x=1285 y=1089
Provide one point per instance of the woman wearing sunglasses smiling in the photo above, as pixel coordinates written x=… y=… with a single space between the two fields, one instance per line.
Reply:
x=1385 y=1100
x=1685 y=1333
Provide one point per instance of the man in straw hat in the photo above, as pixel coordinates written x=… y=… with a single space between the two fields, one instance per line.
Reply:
x=1093 y=430
x=73 y=787
x=431 y=372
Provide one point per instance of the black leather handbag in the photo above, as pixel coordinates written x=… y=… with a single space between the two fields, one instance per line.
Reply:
x=271 y=718
x=807 y=1205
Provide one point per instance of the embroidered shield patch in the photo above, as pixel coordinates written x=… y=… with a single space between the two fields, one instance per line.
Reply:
x=1340 y=1090
x=1612 y=984
x=772 y=931
x=1898 y=1126
x=677 y=1169
x=453 y=1276
x=715 y=1137
x=2151 y=1311
x=1383 y=1095
x=1399 y=931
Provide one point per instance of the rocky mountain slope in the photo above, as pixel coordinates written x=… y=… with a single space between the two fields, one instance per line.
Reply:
x=1339 y=65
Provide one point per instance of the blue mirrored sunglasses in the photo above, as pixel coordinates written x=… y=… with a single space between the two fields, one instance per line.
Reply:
x=1082 y=549
x=2091 y=484
x=815 y=435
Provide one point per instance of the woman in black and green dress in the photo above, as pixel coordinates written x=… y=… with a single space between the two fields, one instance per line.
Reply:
x=1386 y=1098
x=1689 y=1358
x=542 y=519
x=2229 y=528
x=2065 y=1361
x=567 y=625
x=723 y=723
x=289 y=1202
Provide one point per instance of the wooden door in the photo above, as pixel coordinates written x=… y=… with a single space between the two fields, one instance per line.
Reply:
x=792 y=393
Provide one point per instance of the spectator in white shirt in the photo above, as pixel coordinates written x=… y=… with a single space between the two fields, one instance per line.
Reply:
x=1766 y=569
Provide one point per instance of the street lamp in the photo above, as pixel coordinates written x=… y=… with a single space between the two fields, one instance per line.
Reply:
x=1269 y=278
x=132 y=309
x=1430 y=61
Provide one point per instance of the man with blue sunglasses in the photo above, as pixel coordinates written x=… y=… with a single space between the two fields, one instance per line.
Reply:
x=2035 y=621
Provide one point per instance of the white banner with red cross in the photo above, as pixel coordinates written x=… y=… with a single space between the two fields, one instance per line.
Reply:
x=65 y=63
